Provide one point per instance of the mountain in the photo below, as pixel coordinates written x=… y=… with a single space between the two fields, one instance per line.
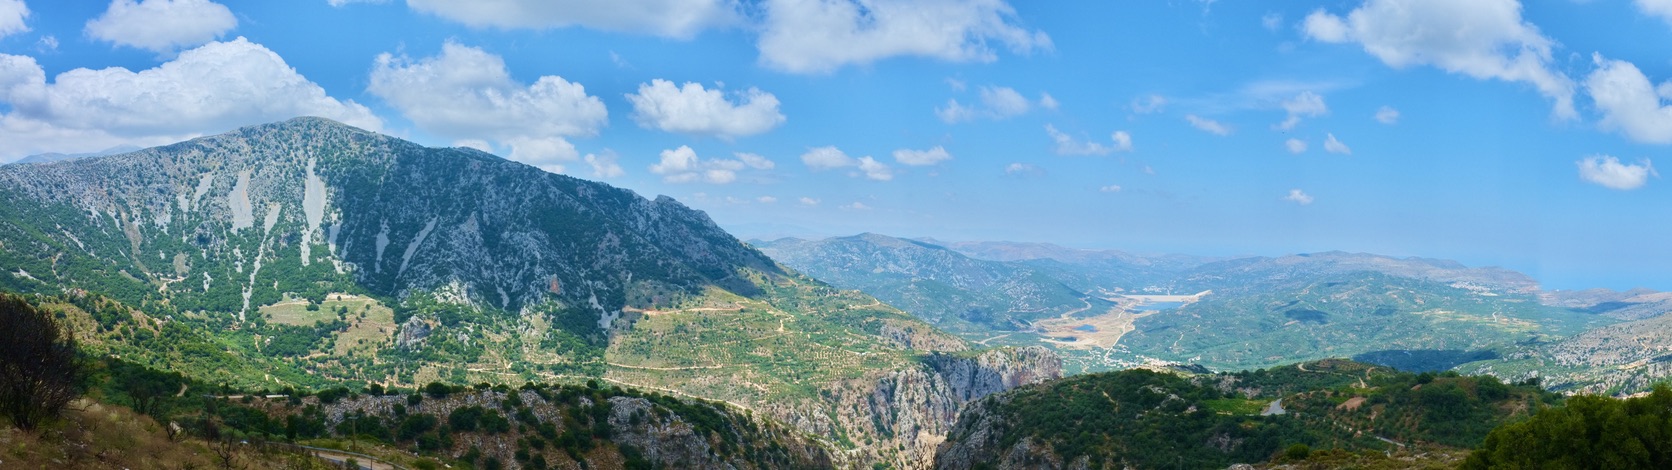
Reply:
x=934 y=283
x=1326 y=414
x=58 y=157
x=312 y=254
x=1241 y=313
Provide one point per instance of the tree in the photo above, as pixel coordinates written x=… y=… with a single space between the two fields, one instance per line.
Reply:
x=39 y=370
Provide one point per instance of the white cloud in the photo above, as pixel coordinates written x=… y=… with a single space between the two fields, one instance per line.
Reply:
x=1387 y=115
x=1608 y=172
x=1023 y=170
x=467 y=93
x=668 y=18
x=547 y=153
x=807 y=201
x=1661 y=8
x=1295 y=146
x=1048 y=102
x=1305 y=104
x=766 y=200
x=682 y=165
x=477 y=144
x=12 y=14
x=1123 y=141
x=826 y=158
x=1068 y=145
x=874 y=169
x=1332 y=145
x=213 y=88
x=605 y=165
x=829 y=158
x=47 y=43
x=755 y=161
x=1484 y=39
x=1208 y=125
x=1113 y=188
x=162 y=26
x=1149 y=104
x=856 y=206
x=932 y=156
x=995 y=103
x=820 y=36
x=1298 y=197
x=690 y=109
x=338 y=3
x=1629 y=103
x=1272 y=21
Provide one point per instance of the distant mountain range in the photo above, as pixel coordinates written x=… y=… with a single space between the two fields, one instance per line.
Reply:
x=58 y=157
x=1110 y=309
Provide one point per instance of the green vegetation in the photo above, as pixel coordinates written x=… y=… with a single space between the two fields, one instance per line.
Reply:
x=1332 y=409
x=1589 y=432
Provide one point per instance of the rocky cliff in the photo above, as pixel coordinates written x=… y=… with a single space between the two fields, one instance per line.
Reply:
x=899 y=417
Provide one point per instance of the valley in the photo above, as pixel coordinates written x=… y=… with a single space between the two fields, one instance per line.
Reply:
x=311 y=256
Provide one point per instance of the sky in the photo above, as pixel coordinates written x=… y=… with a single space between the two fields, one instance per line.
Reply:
x=1489 y=131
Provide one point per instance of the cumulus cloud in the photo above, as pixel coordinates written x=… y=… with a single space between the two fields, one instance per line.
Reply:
x=682 y=165
x=855 y=206
x=830 y=158
x=667 y=18
x=1208 y=125
x=766 y=200
x=820 y=36
x=1068 y=145
x=162 y=26
x=1113 y=188
x=874 y=169
x=995 y=103
x=691 y=109
x=1295 y=146
x=213 y=88
x=826 y=158
x=12 y=14
x=807 y=201
x=605 y=165
x=1387 y=115
x=928 y=157
x=1333 y=145
x=1608 y=172
x=1484 y=39
x=1149 y=104
x=1629 y=103
x=1298 y=197
x=1305 y=104
x=467 y=93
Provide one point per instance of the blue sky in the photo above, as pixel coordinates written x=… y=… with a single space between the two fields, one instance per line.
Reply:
x=1491 y=132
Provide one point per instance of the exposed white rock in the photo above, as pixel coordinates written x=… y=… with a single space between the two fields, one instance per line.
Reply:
x=243 y=215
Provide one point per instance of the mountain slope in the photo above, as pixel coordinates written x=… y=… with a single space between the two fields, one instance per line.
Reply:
x=309 y=253
x=1147 y=419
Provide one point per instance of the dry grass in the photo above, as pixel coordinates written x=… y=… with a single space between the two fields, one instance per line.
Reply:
x=95 y=435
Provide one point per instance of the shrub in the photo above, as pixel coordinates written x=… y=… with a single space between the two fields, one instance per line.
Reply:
x=39 y=369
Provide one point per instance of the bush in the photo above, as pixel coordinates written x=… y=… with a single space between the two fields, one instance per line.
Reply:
x=39 y=370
